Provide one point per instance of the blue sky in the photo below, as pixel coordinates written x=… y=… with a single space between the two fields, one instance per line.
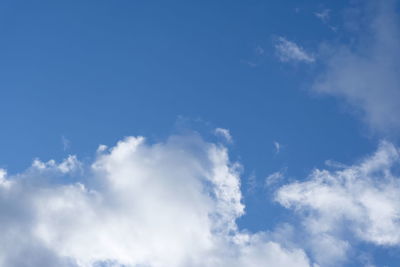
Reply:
x=297 y=86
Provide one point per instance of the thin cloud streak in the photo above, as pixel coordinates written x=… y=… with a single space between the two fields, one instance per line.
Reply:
x=288 y=51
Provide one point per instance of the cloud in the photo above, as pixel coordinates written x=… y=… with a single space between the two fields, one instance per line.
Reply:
x=277 y=146
x=335 y=164
x=365 y=73
x=360 y=202
x=225 y=133
x=65 y=142
x=289 y=51
x=252 y=183
x=275 y=177
x=323 y=15
x=171 y=204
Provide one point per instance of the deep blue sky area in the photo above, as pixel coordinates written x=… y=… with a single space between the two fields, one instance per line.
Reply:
x=92 y=72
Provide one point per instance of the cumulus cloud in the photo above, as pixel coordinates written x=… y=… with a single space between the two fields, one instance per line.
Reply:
x=289 y=51
x=365 y=73
x=363 y=200
x=171 y=204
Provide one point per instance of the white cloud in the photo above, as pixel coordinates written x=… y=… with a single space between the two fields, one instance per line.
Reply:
x=65 y=142
x=101 y=148
x=362 y=199
x=365 y=73
x=252 y=182
x=3 y=181
x=323 y=15
x=275 y=177
x=70 y=164
x=225 y=133
x=277 y=146
x=169 y=204
x=289 y=51
x=335 y=164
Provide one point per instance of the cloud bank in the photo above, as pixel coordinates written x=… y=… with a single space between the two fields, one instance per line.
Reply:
x=176 y=203
x=168 y=204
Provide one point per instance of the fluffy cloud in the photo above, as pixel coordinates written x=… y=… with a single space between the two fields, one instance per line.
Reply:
x=365 y=73
x=167 y=204
x=289 y=51
x=363 y=200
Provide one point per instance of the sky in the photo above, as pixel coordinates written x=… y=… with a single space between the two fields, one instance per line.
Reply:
x=199 y=133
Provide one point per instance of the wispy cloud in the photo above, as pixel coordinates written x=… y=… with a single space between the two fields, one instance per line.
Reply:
x=323 y=15
x=365 y=73
x=289 y=51
x=275 y=178
x=256 y=58
x=277 y=147
x=224 y=133
x=65 y=142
